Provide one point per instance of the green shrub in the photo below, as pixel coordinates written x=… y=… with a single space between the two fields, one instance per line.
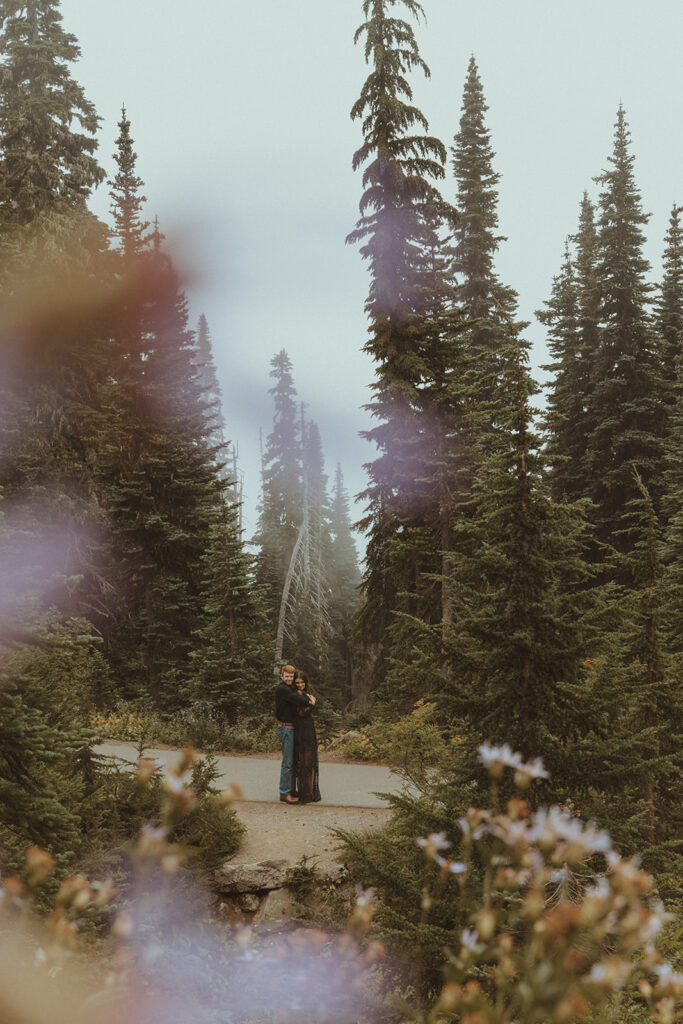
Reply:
x=413 y=741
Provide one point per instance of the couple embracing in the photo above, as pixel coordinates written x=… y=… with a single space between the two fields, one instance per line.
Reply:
x=294 y=704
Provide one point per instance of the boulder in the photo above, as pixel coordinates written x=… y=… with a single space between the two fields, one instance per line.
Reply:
x=352 y=734
x=260 y=877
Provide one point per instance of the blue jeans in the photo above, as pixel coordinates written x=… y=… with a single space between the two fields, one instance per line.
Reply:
x=285 y=734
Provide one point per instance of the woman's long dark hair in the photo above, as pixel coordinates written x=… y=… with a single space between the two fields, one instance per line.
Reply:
x=301 y=675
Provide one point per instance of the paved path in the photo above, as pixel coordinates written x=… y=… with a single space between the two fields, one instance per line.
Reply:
x=342 y=785
x=277 y=830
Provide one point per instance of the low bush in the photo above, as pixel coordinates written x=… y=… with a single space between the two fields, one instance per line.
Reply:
x=199 y=725
x=413 y=741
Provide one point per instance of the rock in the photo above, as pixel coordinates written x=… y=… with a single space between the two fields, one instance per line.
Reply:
x=352 y=734
x=264 y=875
x=248 y=901
x=278 y=906
x=229 y=912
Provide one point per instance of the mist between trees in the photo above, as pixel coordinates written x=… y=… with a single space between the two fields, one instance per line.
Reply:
x=523 y=577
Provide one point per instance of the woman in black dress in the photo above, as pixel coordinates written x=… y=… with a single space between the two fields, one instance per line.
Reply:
x=305 y=748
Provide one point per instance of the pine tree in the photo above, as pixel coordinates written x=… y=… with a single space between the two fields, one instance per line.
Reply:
x=130 y=228
x=631 y=750
x=52 y=277
x=669 y=307
x=402 y=215
x=234 y=662
x=673 y=536
x=182 y=491
x=625 y=407
x=47 y=165
x=565 y=416
x=588 y=300
x=212 y=395
x=165 y=492
x=489 y=303
x=47 y=689
x=517 y=641
x=281 y=502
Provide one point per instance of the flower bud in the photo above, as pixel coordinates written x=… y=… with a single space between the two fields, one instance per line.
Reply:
x=188 y=756
x=146 y=767
x=231 y=793
x=39 y=865
x=534 y=904
x=486 y=924
x=123 y=926
x=451 y=994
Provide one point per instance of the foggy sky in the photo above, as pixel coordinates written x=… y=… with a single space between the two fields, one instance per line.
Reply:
x=240 y=115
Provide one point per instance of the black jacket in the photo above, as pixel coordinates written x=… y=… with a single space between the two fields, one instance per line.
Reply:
x=287 y=700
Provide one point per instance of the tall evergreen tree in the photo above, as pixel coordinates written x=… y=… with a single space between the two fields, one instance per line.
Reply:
x=234 y=660
x=626 y=409
x=669 y=307
x=572 y=318
x=565 y=412
x=167 y=499
x=518 y=640
x=631 y=751
x=211 y=390
x=130 y=228
x=309 y=594
x=673 y=536
x=281 y=500
x=47 y=135
x=401 y=215
x=51 y=277
x=489 y=303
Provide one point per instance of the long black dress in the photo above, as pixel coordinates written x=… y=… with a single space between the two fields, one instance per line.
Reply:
x=306 y=774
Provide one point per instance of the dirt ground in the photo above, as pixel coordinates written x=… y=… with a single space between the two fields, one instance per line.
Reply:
x=277 y=830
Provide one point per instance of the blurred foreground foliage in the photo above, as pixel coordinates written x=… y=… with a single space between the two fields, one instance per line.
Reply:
x=526 y=915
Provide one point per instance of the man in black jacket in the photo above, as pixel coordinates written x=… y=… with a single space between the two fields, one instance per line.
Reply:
x=286 y=702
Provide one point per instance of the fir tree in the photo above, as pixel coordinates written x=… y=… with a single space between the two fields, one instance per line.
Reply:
x=399 y=228
x=489 y=303
x=53 y=255
x=669 y=308
x=165 y=492
x=588 y=303
x=517 y=640
x=47 y=688
x=212 y=395
x=47 y=165
x=673 y=536
x=182 y=491
x=566 y=409
x=625 y=408
x=631 y=750
x=131 y=230
x=281 y=502
x=572 y=318
x=234 y=662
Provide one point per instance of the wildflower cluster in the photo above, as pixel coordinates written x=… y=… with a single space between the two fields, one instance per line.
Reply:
x=560 y=925
x=163 y=960
x=78 y=902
